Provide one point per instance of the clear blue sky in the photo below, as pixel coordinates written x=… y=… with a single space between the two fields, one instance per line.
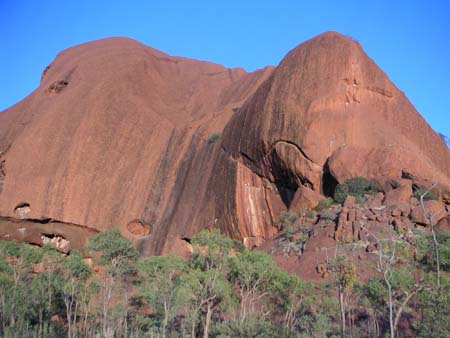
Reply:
x=410 y=40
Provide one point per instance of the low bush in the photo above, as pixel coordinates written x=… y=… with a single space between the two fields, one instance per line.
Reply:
x=428 y=195
x=250 y=328
x=328 y=215
x=286 y=219
x=311 y=214
x=288 y=232
x=356 y=186
x=324 y=204
x=214 y=137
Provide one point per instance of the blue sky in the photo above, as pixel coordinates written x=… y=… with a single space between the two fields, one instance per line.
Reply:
x=409 y=40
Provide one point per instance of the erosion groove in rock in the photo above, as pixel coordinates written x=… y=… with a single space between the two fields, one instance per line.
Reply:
x=123 y=140
x=3 y=167
x=42 y=231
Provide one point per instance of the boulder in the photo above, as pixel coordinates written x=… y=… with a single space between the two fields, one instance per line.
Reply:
x=375 y=201
x=350 y=201
x=305 y=198
x=443 y=225
x=348 y=225
x=400 y=195
x=435 y=209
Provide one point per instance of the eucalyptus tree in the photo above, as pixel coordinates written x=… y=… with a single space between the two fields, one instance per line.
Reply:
x=161 y=286
x=206 y=282
x=74 y=278
x=256 y=277
x=118 y=256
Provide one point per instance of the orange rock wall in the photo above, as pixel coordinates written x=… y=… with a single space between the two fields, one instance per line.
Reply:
x=118 y=132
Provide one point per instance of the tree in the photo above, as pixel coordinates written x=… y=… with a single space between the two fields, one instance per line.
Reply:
x=118 y=255
x=316 y=315
x=399 y=283
x=44 y=287
x=254 y=273
x=17 y=260
x=433 y=304
x=39 y=298
x=74 y=275
x=6 y=287
x=161 y=285
x=295 y=297
x=344 y=276
x=430 y=218
x=250 y=328
x=371 y=297
x=206 y=282
x=387 y=250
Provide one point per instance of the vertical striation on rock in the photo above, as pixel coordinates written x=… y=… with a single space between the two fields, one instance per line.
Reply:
x=119 y=135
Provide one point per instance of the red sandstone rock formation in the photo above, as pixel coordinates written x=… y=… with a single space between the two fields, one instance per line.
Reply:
x=118 y=135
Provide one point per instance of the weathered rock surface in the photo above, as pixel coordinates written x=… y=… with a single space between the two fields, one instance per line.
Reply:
x=434 y=211
x=63 y=236
x=305 y=199
x=118 y=135
x=443 y=225
x=399 y=196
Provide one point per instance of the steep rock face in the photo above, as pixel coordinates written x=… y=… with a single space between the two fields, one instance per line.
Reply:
x=117 y=135
x=110 y=135
x=329 y=113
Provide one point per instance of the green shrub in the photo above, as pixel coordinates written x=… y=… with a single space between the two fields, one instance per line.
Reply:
x=311 y=214
x=360 y=185
x=429 y=195
x=328 y=215
x=341 y=193
x=360 y=199
x=286 y=218
x=324 y=204
x=425 y=250
x=214 y=137
x=288 y=232
x=249 y=328
x=356 y=186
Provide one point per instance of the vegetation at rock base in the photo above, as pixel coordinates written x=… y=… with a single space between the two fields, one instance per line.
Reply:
x=357 y=187
x=224 y=290
x=286 y=218
x=324 y=204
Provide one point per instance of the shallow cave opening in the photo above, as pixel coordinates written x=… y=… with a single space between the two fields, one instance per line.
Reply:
x=186 y=239
x=50 y=235
x=22 y=210
x=41 y=220
x=22 y=205
x=329 y=183
x=286 y=181
x=287 y=189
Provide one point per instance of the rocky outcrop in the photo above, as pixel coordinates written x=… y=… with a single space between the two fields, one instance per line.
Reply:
x=400 y=195
x=305 y=199
x=337 y=116
x=63 y=236
x=443 y=225
x=349 y=222
x=58 y=242
x=432 y=211
x=119 y=135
